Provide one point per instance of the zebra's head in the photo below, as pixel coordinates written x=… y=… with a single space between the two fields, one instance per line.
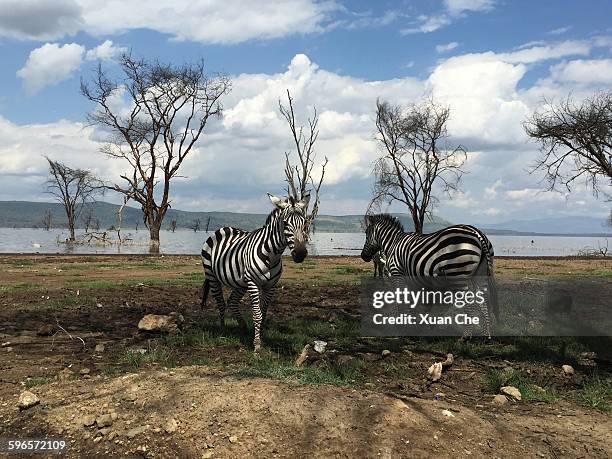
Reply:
x=295 y=226
x=380 y=231
x=371 y=245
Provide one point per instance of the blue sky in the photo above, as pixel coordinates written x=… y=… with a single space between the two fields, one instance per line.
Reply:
x=491 y=61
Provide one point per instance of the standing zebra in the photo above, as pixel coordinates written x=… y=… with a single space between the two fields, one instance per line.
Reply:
x=459 y=251
x=252 y=261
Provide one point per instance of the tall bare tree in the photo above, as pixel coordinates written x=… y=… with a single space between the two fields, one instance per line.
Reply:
x=168 y=109
x=299 y=174
x=575 y=141
x=73 y=188
x=47 y=220
x=416 y=162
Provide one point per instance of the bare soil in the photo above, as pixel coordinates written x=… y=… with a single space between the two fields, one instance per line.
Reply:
x=208 y=399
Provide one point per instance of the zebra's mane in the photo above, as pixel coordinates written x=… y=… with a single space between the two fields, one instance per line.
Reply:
x=272 y=214
x=387 y=219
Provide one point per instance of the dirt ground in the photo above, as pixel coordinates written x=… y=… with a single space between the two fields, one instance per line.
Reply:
x=201 y=393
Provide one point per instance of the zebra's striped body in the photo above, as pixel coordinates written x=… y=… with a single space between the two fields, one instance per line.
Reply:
x=459 y=251
x=252 y=261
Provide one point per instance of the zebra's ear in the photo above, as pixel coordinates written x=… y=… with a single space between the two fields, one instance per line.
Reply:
x=303 y=203
x=278 y=202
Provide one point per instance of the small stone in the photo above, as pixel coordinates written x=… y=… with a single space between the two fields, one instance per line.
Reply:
x=135 y=431
x=85 y=371
x=448 y=413
x=5 y=344
x=65 y=374
x=386 y=353
x=162 y=323
x=104 y=421
x=568 y=370
x=499 y=400
x=97 y=439
x=112 y=436
x=99 y=348
x=171 y=425
x=435 y=371
x=233 y=439
x=511 y=392
x=319 y=346
x=538 y=389
x=27 y=400
x=88 y=420
x=8 y=349
x=207 y=455
x=46 y=330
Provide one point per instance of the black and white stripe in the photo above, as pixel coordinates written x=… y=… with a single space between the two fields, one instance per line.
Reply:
x=459 y=251
x=252 y=261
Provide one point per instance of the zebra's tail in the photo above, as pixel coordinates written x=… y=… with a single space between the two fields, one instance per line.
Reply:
x=491 y=287
x=205 y=290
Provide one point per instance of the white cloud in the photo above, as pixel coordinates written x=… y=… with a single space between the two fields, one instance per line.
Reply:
x=456 y=7
x=453 y=10
x=446 y=47
x=560 y=30
x=491 y=191
x=50 y=64
x=39 y=19
x=206 y=21
x=104 y=52
x=583 y=71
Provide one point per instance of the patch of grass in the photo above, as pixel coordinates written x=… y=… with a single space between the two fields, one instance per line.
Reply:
x=205 y=337
x=495 y=379
x=136 y=359
x=111 y=371
x=596 y=393
x=35 y=382
x=348 y=270
x=20 y=287
x=21 y=263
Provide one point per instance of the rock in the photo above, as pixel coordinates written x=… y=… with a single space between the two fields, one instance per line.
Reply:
x=511 y=392
x=448 y=413
x=161 y=323
x=65 y=375
x=303 y=356
x=27 y=400
x=233 y=439
x=171 y=425
x=568 y=370
x=386 y=353
x=207 y=455
x=5 y=344
x=104 y=421
x=46 y=330
x=538 y=389
x=319 y=346
x=88 y=420
x=435 y=371
x=135 y=431
x=8 y=349
x=100 y=348
x=85 y=371
x=499 y=400
x=112 y=436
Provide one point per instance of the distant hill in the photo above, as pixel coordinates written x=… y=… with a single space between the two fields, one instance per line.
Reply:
x=26 y=214
x=553 y=225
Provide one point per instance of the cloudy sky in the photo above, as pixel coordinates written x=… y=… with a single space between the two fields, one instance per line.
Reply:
x=492 y=61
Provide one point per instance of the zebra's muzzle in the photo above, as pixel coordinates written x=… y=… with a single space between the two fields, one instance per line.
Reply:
x=366 y=256
x=299 y=253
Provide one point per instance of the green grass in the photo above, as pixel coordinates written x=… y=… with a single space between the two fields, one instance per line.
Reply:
x=495 y=379
x=275 y=367
x=66 y=302
x=205 y=337
x=21 y=287
x=349 y=270
x=596 y=393
x=135 y=359
x=35 y=382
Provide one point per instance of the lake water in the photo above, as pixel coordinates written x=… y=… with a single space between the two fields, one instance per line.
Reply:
x=27 y=240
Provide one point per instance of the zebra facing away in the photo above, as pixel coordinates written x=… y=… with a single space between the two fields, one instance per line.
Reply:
x=459 y=251
x=252 y=260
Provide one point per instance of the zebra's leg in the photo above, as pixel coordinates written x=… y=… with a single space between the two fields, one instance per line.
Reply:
x=233 y=304
x=254 y=293
x=266 y=300
x=217 y=291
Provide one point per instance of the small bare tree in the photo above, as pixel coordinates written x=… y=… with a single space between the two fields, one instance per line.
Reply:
x=169 y=107
x=72 y=188
x=173 y=225
x=575 y=140
x=197 y=223
x=47 y=220
x=87 y=218
x=299 y=175
x=417 y=161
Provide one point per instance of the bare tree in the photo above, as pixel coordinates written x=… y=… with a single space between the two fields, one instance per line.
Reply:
x=575 y=140
x=173 y=225
x=299 y=175
x=87 y=218
x=416 y=162
x=169 y=107
x=47 y=220
x=71 y=187
x=207 y=223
